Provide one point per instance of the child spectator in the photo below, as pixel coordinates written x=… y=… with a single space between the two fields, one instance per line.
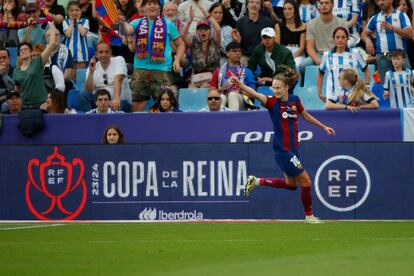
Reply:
x=397 y=83
x=75 y=28
x=353 y=94
x=10 y=12
x=166 y=102
x=113 y=135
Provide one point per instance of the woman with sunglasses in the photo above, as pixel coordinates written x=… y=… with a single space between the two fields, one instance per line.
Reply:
x=28 y=75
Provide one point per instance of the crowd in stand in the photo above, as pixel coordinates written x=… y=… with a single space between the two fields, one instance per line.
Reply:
x=161 y=47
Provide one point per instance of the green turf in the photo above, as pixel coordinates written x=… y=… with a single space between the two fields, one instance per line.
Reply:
x=271 y=248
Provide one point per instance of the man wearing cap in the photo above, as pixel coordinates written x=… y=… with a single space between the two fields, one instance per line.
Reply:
x=271 y=57
x=249 y=27
x=229 y=92
x=14 y=103
x=33 y=34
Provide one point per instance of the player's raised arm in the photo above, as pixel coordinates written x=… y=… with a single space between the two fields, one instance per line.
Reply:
x=250 y=92
x=309 y=118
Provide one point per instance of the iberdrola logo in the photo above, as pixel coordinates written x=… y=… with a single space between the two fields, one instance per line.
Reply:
x=53 y=192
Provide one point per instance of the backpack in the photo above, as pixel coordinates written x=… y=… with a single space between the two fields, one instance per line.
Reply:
x=48 y=78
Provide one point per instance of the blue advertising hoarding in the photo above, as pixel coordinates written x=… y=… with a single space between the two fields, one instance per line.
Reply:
x=202 y=181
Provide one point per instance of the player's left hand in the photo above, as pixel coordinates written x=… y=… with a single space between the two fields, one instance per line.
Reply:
x=329 y=131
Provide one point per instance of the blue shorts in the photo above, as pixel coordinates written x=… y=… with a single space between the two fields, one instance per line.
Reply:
x=289 y=162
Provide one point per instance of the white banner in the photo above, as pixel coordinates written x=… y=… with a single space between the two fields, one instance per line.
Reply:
x=408 y=124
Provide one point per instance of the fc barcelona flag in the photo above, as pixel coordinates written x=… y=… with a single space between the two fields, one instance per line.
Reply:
x=108 y=15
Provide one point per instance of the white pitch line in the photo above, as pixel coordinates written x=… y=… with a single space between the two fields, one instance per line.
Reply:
x=30 y=227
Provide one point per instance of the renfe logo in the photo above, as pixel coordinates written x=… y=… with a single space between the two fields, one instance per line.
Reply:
x=53 y=181
x=342 y=183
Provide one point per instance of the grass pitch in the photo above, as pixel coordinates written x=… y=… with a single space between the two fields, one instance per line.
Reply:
x=215 y=248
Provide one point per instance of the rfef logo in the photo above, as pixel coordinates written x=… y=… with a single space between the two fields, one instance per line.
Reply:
x=342 y=183
x=53 y=192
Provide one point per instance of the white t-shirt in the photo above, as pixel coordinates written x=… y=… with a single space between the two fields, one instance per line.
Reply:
x=117 y=66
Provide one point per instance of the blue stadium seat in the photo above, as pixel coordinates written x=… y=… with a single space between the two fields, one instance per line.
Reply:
x=311 y=73
x=309 y=97
x=72 y=99
x=265 y=90
x=13 y=56
x=378 y=90
x=80 y=78
x=371 y=72
x=192 y=99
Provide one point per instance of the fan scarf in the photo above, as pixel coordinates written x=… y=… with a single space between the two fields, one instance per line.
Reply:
x=156 y=41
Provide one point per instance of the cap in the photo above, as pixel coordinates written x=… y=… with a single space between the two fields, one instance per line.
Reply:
x=32 y=6
x=13 y=94
x=203 y=23
x=270 y=32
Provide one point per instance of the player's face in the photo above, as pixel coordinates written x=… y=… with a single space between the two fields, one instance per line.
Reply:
x=397 y=62
x=112 y=136
x=280 y=89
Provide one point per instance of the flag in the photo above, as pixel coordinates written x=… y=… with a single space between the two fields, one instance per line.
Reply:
x=108 y=15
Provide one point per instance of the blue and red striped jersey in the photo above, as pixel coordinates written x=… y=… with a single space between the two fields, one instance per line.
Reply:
x=284 y=117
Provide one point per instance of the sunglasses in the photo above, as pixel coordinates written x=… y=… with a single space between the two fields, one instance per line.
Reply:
x=214 y=98
x=105 y=76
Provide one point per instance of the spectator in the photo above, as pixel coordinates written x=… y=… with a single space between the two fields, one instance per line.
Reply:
x=102 y=101
x=392 y=28
x=52 y=75
x=14 y=103
x=62 y=58
x=273 y=9
x=214 y=102
x=233 y=11
x=216 y=12
x=307 y=10
x=33 y=34
x=249 y=27
x=229 y=92
x=153 y=60
x=113 y=135
x=6 y=76
x=398 y=81
x=57 y=12
x=406 y=7
x=271 y=57
x=349 y=11
x=127 y=8
x=56 y=103
x=199 y=7
x=338 y=59
x=290 y=32
x=140 y=10
x=28 y=76
x=352 y=94
x=9 y=13
x=108 y=73
x=75 y=28
x=89 y=12
x=319 y=34
x=166 y=102
x=205 y=50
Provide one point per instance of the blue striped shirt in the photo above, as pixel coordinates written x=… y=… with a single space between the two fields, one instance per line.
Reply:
x=387 y=40
x=77 y=43
x=308 y=12
x=345 y=9
x=398 y=85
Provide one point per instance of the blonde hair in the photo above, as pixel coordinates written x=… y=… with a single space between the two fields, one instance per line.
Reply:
x=358 y=85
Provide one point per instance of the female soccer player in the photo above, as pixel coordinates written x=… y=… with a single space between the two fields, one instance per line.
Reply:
x=283 y=110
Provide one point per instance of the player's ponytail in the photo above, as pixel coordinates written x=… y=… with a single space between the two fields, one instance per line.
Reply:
x=288 y=77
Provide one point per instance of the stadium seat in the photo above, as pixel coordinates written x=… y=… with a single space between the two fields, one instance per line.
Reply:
x=309 y=97
x=192 y=99
x=378 y=90
x=265 y=90
x=13 y=56
x=72 y=99
x=371 y=72
x=311 y=74
x=80 y=78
